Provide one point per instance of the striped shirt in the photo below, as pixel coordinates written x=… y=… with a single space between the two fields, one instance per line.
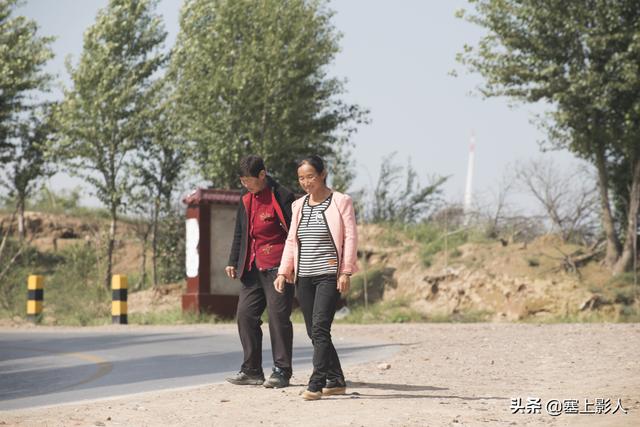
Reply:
x=317 y=253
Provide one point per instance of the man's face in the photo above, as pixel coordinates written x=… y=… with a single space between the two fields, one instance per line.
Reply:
x=254 y=184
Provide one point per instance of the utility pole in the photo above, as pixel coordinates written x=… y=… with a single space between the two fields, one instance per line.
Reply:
x=468 y=191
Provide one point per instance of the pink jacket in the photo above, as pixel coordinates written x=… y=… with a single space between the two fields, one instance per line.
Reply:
x=341 y=220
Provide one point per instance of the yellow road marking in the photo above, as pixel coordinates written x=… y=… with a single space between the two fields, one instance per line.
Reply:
x=104 y=366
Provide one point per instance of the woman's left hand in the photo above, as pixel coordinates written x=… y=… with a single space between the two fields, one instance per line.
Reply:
x=343 y=283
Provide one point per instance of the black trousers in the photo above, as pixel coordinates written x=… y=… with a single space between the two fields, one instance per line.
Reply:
x=318 y=297
x=257 y=293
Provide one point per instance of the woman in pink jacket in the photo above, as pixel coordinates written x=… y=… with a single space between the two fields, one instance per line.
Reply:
x=319 y=257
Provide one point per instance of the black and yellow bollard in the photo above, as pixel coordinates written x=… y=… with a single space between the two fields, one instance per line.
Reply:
x=35 y=297
x=119 y=299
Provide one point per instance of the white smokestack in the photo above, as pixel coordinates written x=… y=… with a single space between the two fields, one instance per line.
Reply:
x=469 y=187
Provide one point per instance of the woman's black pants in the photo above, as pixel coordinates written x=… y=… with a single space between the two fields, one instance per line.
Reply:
x=318 y=297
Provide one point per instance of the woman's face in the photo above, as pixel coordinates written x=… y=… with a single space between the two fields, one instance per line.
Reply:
x=310 y=180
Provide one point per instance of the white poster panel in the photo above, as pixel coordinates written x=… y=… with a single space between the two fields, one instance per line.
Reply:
x=192 y=259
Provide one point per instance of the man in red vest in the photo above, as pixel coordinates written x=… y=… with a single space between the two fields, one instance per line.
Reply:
x=262 y=224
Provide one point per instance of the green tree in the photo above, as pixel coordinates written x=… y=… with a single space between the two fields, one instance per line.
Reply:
x=102 y=117
x=171 y=245
x=23 y=55
x=395 y=203
x=252 y=77
x=581 y=59
x=27 y=165
x=158 y=166
x=341 y=169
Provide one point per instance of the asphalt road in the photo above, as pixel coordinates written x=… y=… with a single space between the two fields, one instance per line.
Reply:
x=58 y=366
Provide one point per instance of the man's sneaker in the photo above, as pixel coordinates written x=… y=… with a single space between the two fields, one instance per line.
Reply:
x=278 y=379
x=311 y=395
x=334 y=387
x=242 y=378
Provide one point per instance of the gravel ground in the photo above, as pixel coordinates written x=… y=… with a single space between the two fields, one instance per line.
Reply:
x=442 y=374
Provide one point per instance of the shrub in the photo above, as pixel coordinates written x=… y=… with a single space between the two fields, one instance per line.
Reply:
x=171 y=247
x=74 y=294
x=377 y=278
x=13 y=286
x=533 y=262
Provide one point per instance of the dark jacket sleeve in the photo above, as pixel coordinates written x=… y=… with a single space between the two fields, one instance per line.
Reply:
x=286 y=208
x=284 y=197
x=237 y=237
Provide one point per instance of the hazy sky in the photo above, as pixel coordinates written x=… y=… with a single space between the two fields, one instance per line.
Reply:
x=396 y=56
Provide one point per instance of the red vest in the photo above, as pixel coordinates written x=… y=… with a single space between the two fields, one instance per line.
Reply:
x=267 y=232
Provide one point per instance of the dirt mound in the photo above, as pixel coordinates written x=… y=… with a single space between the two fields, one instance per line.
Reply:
x=62 y=226
x=49 y=232
x=496 y=280
x=42 y=225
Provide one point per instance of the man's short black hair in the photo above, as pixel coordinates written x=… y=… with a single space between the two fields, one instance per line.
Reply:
x=251 y=165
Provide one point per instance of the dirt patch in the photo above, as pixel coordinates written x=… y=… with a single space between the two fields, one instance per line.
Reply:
x=442 y=375
x=162 y=298
x=15 y=322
